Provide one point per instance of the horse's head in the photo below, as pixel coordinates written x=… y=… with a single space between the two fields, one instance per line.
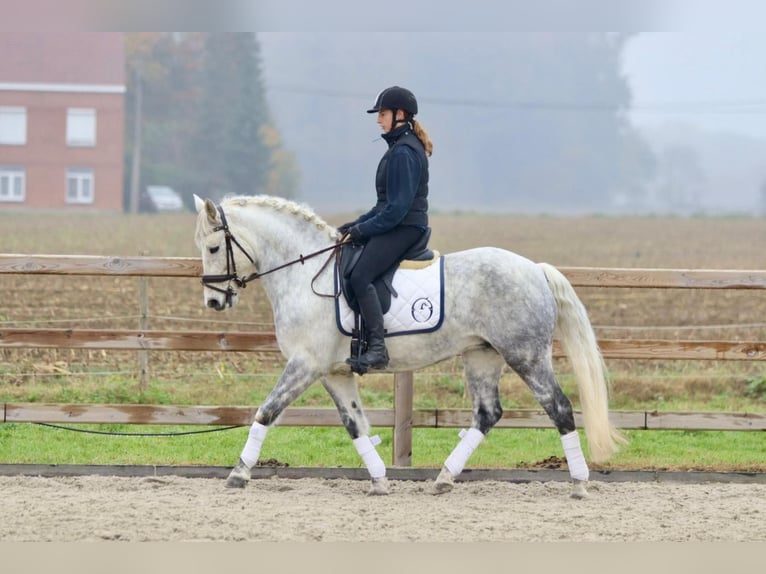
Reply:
x=224 y=260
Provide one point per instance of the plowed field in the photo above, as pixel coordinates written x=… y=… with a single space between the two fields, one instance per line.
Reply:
x=113 y=302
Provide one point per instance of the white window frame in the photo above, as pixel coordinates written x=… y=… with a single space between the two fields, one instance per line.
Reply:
x=13 y=184
x=81 y=127
x=13 y=125
x=80 y=186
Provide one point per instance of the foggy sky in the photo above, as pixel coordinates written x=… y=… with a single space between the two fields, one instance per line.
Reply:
x=709 y=80
x=712 y=80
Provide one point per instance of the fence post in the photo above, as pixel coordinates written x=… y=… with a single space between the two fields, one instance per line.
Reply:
x=402 y=448
x=143 y=324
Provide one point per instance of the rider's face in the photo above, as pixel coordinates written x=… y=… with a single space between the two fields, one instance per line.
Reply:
x=384 y=120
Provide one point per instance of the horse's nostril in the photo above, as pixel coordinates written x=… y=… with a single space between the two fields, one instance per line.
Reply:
x=214 y=304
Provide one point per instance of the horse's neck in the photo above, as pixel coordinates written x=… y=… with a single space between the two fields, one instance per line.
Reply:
x=277 y=239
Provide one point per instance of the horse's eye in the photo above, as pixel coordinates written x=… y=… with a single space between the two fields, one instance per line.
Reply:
x=214 y=249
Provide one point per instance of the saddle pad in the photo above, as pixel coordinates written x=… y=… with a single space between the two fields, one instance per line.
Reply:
x=417 y=308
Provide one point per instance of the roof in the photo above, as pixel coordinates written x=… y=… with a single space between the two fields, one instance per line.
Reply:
x=93 y=58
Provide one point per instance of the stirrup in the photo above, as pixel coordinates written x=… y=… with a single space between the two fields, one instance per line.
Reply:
x=356 y=366
x=360 y=366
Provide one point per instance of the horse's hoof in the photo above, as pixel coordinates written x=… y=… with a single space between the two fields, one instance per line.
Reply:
x=379 y=487
x=444 y=483
x=578 y=489
x=238 y=477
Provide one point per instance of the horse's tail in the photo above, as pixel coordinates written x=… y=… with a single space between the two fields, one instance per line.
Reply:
x=579 y=343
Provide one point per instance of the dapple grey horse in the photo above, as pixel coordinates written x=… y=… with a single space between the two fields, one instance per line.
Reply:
x=499 y=309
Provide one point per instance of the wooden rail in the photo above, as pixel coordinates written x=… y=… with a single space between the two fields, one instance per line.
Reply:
x=151 y=340
x=128 y=340
x=402 y=418
x=324 y=417
x=95 y=265
x=192 y=267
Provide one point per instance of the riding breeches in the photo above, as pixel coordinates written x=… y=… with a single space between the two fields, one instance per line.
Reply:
x=381 y=252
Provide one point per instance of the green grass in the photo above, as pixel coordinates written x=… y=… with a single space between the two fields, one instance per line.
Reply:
x=26 y=443
x=315 y=447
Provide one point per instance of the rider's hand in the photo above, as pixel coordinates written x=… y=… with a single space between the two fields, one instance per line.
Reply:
x=343 y=229
x=356 y=236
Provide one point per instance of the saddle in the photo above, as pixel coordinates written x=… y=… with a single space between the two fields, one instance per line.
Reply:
x=349 y=256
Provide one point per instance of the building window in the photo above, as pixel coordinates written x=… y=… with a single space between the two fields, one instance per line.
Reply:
x=12 y=184
x=79 y=186
x=81 y=127
x=13 y=125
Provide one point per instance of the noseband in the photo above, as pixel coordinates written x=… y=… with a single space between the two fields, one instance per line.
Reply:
x=231 y=267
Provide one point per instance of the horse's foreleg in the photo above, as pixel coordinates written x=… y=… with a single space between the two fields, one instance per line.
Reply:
x=483 y=368
x=240 y=475
x=344 y=392
x=295 y=379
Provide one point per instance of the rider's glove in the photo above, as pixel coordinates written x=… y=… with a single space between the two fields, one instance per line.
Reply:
x=356 y=235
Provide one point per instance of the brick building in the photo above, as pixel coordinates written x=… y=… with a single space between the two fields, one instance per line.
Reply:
x=62 y=120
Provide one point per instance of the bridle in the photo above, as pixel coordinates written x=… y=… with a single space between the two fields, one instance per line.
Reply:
x=231 y=267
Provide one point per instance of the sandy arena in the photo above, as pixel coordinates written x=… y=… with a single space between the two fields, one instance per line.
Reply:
x=173 y=508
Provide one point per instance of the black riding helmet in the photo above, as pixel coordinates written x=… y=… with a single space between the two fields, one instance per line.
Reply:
x=395 y=98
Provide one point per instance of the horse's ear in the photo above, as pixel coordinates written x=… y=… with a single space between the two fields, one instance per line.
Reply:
x=198 y=203
x=212 y=212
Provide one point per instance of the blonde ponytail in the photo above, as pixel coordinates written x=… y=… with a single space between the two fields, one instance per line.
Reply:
x=422 y=135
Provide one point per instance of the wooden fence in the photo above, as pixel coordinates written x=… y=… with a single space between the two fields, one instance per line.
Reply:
x=402 y=418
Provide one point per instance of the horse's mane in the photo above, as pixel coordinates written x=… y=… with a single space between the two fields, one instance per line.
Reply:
x=283 y=205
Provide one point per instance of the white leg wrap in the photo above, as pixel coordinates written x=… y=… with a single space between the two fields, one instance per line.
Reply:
x=469 y=440
x=365 y=446
x=252 y=449
x=578 y=468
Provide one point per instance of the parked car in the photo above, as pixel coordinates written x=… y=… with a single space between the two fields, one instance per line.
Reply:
x=160 y=198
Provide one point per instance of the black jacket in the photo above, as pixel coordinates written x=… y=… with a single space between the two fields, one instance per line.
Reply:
x=401 y=183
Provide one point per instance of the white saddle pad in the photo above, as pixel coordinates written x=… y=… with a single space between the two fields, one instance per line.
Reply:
x=417 y=308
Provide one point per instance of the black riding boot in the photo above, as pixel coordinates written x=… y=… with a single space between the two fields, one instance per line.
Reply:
x=376 y=356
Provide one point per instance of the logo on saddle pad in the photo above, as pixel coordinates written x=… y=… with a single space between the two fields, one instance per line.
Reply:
x=417 y=305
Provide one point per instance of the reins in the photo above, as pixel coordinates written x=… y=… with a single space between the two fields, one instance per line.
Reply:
x=231 y=267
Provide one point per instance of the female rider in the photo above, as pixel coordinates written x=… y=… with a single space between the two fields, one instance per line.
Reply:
x=398 y=219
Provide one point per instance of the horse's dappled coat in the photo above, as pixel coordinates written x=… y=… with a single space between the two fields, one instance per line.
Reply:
x=499 y=309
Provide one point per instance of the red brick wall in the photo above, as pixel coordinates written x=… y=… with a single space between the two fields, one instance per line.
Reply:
x=78 y=59
x=46 y=156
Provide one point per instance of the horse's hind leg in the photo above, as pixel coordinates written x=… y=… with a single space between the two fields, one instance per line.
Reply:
x=483 y=368
x=539 y=377
x=345 y=393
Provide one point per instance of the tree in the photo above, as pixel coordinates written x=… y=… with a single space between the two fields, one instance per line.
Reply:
x=229 y=148
x=520 y=121
x=569 y=143
x=204 y=123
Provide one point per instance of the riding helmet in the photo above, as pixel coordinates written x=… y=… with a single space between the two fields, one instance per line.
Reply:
x=395 y=98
